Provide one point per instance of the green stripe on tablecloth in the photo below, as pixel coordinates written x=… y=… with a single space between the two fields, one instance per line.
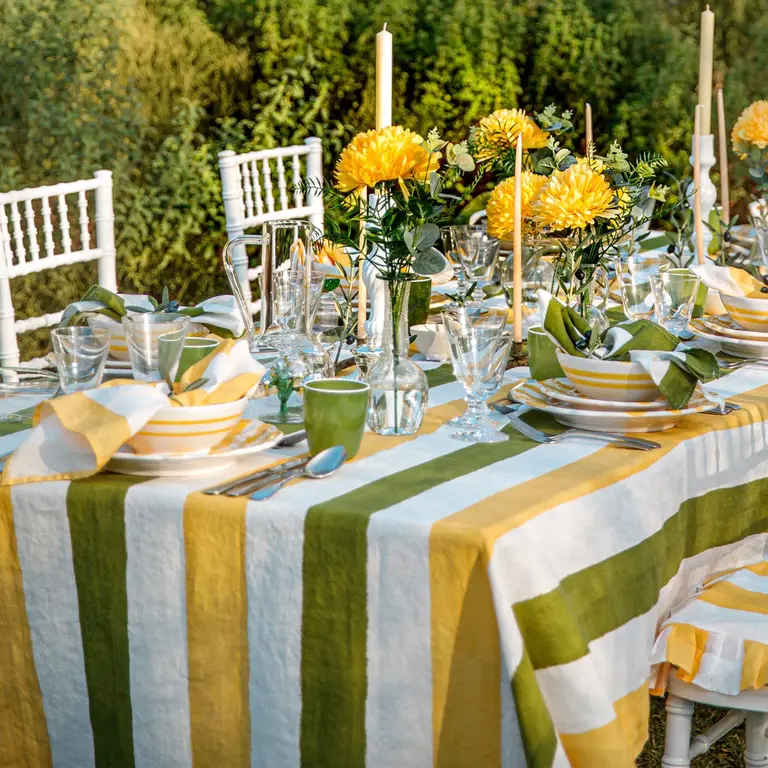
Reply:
x=334 y=613
x=599 y=599
x=443 y=374
x=95 y=507
x=536 y=728
x=9 y=427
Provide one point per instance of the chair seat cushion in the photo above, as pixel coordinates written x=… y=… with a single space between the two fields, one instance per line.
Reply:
x=718 y=639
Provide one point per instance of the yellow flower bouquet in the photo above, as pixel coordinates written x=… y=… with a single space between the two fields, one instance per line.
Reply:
x=749 y=138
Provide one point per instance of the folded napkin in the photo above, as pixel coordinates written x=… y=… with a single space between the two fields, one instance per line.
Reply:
x=220 y=314
x=76 y=435
x=730 y=280
x=675 y=368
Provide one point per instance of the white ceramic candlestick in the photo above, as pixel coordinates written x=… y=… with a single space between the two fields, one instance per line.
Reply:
x=708 y=192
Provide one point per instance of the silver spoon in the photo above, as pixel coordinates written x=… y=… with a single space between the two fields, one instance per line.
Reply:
x=324 y=464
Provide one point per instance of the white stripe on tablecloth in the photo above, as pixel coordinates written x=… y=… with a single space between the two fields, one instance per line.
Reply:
x=398 y=557
x=45 y=552
x=273 y=564
x=605 y=675
x=157 y=622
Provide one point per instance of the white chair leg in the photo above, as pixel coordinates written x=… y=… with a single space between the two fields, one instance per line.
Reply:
x=677 y=740
x=756 y=753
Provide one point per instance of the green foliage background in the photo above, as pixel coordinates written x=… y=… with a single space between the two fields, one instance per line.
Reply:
x=154 y=89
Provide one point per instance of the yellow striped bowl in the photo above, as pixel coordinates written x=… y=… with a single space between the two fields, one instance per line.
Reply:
x=194 y=429
x=750 y=314
x=609 y=379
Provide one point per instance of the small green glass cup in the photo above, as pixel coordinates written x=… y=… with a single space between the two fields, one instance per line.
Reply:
x=542 y=356
x=334 y=414
x=193 y=351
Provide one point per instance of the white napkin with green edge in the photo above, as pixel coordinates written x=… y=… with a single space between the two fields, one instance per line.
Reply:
x=219 y=314
x=675 y=368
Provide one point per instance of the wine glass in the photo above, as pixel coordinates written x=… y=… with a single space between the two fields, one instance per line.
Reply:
x=479 y=354
x=468 y=317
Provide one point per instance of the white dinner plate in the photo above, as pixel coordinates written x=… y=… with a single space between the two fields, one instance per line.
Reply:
x=563 y=391
x=533 y=395
x=735 y=347
x=125 y=462
x=725 y=325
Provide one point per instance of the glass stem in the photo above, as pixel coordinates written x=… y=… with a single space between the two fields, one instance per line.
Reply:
x=477 y=409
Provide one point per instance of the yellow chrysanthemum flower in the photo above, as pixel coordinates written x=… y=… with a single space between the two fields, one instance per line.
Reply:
x=501 y=204
x=751 y=129
x=574 y=199
x=497 y=133
x=327 y=252
x=384 y=155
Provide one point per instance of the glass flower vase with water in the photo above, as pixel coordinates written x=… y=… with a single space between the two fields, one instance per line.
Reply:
x=399 y=389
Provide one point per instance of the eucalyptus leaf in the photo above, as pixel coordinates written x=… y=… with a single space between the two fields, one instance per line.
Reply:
x=408 y=239
x=428 y=235
x=434 y=184
x=429 y=262
x=466 y=163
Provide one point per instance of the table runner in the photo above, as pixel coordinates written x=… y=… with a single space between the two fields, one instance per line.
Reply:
x=433 y=603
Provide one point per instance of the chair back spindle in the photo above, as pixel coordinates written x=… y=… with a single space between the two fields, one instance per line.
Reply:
x=63 y=244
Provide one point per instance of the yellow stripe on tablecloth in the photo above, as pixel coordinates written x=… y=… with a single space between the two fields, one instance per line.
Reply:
x=23 y=730
x=466 y=659
x=725 y=594
x=617 y=743
x=217 y=630
x=470 y=536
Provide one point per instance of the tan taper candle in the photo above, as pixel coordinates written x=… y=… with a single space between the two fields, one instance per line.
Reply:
x=722 y=138
x=588 y=119
x=517 y=243
x=697 y=223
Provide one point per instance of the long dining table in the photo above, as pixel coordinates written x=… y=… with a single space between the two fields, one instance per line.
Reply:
x=432 y=603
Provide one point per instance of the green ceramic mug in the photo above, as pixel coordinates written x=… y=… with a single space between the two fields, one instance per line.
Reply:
x=334 y=414
x=193 y=351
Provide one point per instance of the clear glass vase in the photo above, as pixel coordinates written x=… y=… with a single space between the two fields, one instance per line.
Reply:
x=399 y=389
x=759 y=214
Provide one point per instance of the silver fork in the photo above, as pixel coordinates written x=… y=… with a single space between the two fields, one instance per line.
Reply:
x=623 y=441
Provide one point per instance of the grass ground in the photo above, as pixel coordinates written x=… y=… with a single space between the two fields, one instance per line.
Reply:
x=726 y=753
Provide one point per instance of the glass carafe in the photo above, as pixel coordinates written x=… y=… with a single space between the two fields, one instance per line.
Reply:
x=286 y=246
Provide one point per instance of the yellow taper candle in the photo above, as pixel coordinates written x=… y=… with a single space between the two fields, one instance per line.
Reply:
x=383 y=78
x=706 y=56
x=722 y=138
x=517 y=244
x=697 y=223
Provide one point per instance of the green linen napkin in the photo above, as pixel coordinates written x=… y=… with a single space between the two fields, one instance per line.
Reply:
x=674 y=367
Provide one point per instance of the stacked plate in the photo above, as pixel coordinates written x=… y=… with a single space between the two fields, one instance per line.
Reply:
x=574 y=409
x=734 y=340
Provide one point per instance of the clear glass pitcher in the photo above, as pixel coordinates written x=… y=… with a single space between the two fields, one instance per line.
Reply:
x=286 y=246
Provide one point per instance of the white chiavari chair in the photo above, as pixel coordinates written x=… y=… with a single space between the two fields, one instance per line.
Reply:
x=43 y=228
x=248 y=184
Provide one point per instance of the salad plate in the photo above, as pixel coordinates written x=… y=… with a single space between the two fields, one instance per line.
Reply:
x=619 y=420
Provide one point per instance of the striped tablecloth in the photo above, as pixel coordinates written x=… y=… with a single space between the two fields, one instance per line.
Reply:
x=433 y=603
